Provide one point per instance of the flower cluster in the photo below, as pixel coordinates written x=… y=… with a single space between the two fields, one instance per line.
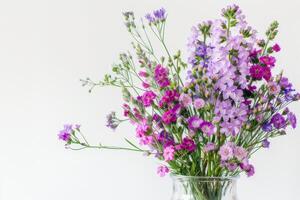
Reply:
x=230 y=104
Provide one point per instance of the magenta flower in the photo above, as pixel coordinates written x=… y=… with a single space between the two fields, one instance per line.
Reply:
x=226 y=151
x=231 y=166
x=276 y=48
x=161 y=76
x=169 y=97
x=162 y=170
x=185 y=100
x=143 y=74
x=278 y=121
x=188 y=144
x=169 y=117
x=199 y=103
x=267 y=74
x=268 y=60
x=194 y=122
x=148 y=98
x=207 y=128
x=169 y=152
x=257 y=72
x=292 y=119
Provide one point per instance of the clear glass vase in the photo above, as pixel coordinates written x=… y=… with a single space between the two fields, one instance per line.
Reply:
x=204 y=188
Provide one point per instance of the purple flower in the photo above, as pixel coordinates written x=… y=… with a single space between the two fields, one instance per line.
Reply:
x=162 y=171
x=292 y=119
x=111 y=121
x=194 y=122
x=150 y=18
x=278 y=121
x=65 y=134
x=231 y=166
x=161 y=76
x=248 y=168
x=165 y=138
x=267 y=127
x=266 y=143
x=148 y=98
x=209 y=147
x=207 y=128
x=188 y=144
x=160 y=14
x=226 y=151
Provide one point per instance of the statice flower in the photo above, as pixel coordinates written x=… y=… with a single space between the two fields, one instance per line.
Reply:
x=161 y=76
x=111 y=121
x=278 y=121
x=162 y=170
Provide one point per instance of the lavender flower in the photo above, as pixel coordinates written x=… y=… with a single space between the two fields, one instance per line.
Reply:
x=278 y=121
x=292 y=119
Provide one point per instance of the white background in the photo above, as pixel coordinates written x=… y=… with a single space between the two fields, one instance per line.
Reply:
x=46 y=46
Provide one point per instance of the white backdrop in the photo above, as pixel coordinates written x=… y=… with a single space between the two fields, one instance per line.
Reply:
x=46 y=46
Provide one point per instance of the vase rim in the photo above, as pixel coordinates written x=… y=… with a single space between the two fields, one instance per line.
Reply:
x=224 y=178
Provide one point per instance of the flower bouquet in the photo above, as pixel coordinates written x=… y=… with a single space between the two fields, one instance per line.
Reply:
x=204 y=118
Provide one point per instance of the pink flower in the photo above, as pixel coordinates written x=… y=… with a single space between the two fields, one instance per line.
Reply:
x=148 y=98
x=169 y=97
x=240 y=153
x=209 y=147
x=143 y=74
x=207 y=128
x=274 y=88
x=226 y=151
x=185 y=100
x=169 y=116
x=267 y=74
x=145 y=85
x=162 y=170
x=199 y=103
x=169 y=152
x=161 y=76
x=146 y=140
x=276 y=48
x=194 y=122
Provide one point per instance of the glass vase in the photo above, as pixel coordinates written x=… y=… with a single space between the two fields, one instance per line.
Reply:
x=204 y=188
